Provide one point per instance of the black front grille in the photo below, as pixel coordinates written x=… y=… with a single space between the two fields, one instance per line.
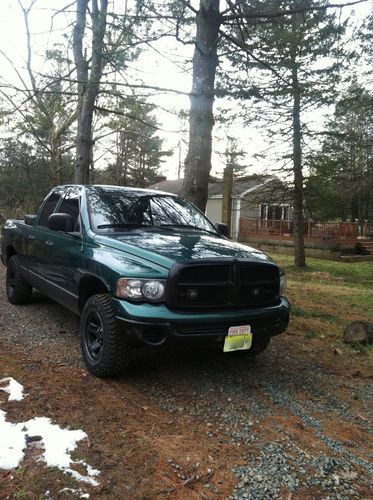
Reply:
x=229 y=284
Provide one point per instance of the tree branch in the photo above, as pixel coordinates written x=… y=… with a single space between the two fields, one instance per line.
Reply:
x=133 y=117
x=242 y=45
x=300 y=10
x=34 y=131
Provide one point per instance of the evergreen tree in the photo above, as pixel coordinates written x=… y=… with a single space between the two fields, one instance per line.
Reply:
x=341 y=180
x=232 y=157
x=292 y=69
x=139 y=152
x=25 y=175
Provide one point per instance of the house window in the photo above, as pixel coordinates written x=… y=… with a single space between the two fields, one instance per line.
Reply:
x=274 y=212
x=263 y=212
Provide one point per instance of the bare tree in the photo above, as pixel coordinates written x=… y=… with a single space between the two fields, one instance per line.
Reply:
x=47 y=103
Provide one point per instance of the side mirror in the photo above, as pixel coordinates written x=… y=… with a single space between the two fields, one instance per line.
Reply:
x=222 y=229
x=29 y=219
x=61 y=222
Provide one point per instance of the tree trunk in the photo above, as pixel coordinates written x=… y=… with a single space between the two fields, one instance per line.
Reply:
x=358 y=332
x=298 y=231
x=201 y=120
x=88 y=84
x=55 y=156
x=226 y=211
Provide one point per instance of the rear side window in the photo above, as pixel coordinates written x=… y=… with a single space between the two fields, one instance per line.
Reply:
x=48 y=208
x=70 y=205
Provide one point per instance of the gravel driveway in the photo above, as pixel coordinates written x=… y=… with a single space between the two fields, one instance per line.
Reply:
x=299 y=417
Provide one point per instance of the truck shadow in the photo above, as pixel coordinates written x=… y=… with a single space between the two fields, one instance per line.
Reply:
x=181 y=361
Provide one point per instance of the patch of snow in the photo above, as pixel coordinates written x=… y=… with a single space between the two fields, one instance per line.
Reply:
x=12 y=442
x=57 y=443
x=79 y=477
x=91 y=471
x=77 y=492
x=13 y=388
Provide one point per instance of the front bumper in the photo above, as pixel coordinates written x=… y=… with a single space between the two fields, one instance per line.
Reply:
x=155 y=324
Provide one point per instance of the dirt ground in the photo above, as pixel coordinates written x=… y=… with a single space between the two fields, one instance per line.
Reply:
x=295 y=423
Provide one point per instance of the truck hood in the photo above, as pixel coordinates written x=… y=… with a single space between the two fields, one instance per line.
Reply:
x=165 y=249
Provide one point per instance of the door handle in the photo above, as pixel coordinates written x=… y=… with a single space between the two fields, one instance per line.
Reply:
x=31 y=237
x=49 y=243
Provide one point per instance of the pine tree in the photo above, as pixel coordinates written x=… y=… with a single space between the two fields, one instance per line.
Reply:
x=341 y=181
x=139 y=150
x=290 y=61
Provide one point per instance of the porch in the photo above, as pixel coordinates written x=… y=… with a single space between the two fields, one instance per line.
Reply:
x=339 y=237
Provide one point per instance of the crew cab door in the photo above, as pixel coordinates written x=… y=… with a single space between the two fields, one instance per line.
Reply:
x=57 y=254
x=36 y=237
x=63 y=254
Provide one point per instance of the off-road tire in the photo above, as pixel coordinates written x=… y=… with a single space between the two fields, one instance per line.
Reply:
x=259 y=345
x=105 y=350
x=18 y=290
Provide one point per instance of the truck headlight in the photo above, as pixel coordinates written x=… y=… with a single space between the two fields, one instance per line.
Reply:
x=153 y=290
x=141 y=289
x=282 y=282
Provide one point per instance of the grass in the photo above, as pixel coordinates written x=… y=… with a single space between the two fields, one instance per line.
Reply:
x=351 y=272
x=327 y=295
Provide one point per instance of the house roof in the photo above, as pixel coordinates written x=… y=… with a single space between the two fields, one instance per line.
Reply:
x=240 y=186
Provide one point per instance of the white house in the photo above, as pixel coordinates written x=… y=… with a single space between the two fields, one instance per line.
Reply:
x=253 y=197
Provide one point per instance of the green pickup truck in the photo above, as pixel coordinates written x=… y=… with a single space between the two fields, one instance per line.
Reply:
x=143 y=268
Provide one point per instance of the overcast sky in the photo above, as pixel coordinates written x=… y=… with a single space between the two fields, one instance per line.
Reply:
x=161 y=67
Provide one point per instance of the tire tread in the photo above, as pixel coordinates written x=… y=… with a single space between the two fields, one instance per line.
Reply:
x=117 y=353
x=22 y=289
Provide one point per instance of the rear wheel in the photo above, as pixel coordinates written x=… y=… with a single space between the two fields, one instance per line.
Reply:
x=105 y=350
x=17 y=289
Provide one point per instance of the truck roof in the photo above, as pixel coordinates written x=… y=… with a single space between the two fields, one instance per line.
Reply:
x=108 y=187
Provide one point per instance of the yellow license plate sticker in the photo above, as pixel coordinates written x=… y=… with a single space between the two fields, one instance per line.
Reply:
x=239 y=338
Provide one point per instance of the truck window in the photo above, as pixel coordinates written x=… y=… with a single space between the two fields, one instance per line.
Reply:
x=48 y=208
x=113 y=207
x=70 y=205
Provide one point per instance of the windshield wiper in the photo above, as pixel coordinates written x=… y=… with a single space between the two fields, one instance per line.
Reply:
x=123 y=225
x=189 y=226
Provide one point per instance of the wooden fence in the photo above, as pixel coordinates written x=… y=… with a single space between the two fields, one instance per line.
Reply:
x=312 y=229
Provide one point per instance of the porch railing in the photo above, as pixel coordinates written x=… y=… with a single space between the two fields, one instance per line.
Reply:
x=312 y=229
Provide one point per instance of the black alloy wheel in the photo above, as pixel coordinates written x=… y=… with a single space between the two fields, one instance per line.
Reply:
x=94 y=336
x=105 y=350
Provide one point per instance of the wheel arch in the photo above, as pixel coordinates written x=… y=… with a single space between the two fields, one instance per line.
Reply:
x=90 y=285
x=9 y=252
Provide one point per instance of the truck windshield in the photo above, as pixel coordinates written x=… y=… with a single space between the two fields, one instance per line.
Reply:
x=120 y=209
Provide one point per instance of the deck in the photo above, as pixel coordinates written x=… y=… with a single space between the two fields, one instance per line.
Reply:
x=313 y=231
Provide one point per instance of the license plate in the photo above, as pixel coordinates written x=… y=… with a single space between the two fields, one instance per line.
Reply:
x=239 y=338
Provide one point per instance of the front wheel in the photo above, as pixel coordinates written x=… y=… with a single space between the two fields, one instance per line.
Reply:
x=259 y=344
x=105 y=350
x=17 y=289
